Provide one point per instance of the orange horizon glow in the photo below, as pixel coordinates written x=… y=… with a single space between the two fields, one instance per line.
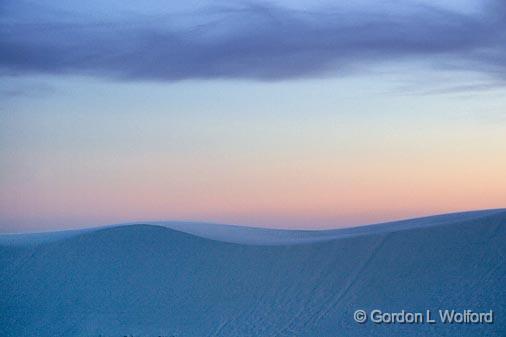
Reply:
x=352 y=162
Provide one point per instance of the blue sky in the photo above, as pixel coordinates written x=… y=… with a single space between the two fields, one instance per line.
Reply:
x=284 y=114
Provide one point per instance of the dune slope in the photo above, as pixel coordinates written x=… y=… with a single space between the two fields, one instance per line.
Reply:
x=158 y=280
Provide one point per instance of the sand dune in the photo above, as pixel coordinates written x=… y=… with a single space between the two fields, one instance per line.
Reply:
x=199 y=280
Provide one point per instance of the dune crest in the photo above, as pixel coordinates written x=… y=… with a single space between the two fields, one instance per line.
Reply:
x=165 y=279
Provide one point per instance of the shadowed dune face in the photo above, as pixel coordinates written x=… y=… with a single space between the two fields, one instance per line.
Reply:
x=150 y=280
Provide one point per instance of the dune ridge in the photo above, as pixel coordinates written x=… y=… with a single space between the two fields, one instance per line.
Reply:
x=260 y=235
x=173 y=279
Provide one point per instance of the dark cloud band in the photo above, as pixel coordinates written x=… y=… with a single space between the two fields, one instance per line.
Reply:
x=254 y=42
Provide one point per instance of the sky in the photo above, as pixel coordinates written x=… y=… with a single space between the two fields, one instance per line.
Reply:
x=286 y=114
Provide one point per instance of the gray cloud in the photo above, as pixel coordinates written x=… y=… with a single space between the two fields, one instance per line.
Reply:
x=251 y=41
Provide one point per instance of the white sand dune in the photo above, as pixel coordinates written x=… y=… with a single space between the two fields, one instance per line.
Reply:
x=199 y=280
